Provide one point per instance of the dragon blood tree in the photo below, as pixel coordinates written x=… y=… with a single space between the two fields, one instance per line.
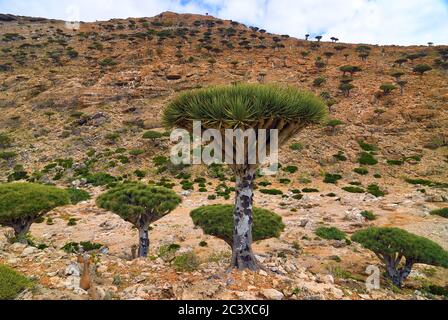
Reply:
x=140 y=205
x=23 y=203
x=400 y=250
x=280 y=111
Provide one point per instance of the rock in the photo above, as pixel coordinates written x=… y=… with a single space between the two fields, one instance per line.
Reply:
x=243 y=295
x=355 y=216
x=102 y=269
x=29 y=251
x=327 y=279
x=73 y=270
x=108 y=225
x=17 y=247
x=167 y=291
x=272 y=294
x=263 y=273
x=139 y=279
x=304 y=222
x=98 y=293
x=12 y=261
x=339 y=244
x=79 y=183
x=98 y=119
x=389 y=206
x=436 y=196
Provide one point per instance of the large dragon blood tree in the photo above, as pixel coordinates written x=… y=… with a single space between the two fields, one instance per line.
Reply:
x=245 y=106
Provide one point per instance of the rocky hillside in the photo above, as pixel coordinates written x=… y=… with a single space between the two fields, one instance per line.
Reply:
x=76 y=104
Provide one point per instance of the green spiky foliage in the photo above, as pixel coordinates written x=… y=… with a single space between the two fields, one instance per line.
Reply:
x=392 y=245
x=12 y=283
x=421 y=69
x=246 y=106
x=22 y=203
x=350 y=69
x=217 y=221
x=140 y=205
x=387 y=88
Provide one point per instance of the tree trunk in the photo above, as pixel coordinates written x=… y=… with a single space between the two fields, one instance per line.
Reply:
x=144 y=242
x=398 y=275
x=242 y=254
x=406 y=270
x=21 y=228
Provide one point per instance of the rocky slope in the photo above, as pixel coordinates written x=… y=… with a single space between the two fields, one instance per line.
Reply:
x=77 y=102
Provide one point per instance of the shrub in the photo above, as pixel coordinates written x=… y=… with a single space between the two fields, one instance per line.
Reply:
x=332 y=178
x=291 y=169
x=18 y=174
x=397 y=75
x=395 y=162
x=217 y=220
x=187 y=262
x=152 y=135
x=361 y=171
x=310 y=190
x=140 y=174
x=421 y=69
x=140 y=205
x=352 y=189
x=331 y=233
x=22 y=203
x=340 y=156
x=285 y=181
x=296 y=147
x=112 y=137
x=391 y=245
x=274 y=192
x=100 y=179
x=440 y=212
x=375 y=190
x=160 y=161
x=366 y=158
x=319 y=81
x=5 y=140
x=86 y=246
x=72 y=222
x=369 y=215
x=349 y=69
x=367 y=147
x=168 y=251
x=346 y=88
x=264 y=183
x=333 y=123
x=136 y=152
x=387 y=88
x=12 y=283
x=78 y=195
x=108 y=62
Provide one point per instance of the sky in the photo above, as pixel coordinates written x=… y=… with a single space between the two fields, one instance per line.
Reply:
x=401 y=22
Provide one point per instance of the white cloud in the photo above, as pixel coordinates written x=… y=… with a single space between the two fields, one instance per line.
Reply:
x=370 y=21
